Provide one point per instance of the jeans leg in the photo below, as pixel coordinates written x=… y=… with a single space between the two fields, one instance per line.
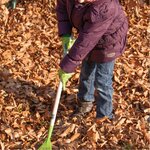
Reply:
x=86 y=82
x=104 y=89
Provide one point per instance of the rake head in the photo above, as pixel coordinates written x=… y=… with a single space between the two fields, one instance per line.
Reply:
x=47 y=145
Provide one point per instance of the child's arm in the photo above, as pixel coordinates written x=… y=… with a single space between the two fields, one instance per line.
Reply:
x=101 y=16
x=64 y=25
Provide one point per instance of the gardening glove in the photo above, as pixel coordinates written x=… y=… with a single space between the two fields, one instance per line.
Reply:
x=64 y=77
x=67 y=42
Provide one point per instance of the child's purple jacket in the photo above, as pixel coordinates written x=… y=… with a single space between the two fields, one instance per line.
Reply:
x=102 y=27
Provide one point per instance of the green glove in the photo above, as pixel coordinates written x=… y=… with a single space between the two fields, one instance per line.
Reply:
x=67 y=42
x=64 y=77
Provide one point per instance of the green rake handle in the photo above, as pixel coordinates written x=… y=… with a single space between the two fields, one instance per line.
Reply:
x=56 y=104
x=47 y=145
x=55 y=108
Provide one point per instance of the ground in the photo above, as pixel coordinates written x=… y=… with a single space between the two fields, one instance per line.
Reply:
x=30 y=52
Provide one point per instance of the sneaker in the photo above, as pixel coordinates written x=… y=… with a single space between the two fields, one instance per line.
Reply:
x=83 y=108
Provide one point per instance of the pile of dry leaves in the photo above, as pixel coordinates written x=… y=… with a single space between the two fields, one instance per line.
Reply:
x=30 y=52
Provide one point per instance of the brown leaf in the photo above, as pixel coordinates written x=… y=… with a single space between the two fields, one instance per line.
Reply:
x=120 y=122
x=147 y=135
x=147 y=110
x=73 y=138
x=69 y=130
x=93 y=134
x=2 y=145
x=8 y=131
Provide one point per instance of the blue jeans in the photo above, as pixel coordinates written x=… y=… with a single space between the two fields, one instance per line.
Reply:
x=97 y=78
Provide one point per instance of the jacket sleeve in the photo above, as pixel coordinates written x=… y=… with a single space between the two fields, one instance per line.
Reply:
x=64 y=25
x=94 y=28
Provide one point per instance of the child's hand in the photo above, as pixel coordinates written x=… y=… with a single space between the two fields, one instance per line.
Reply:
x=67 y=42
x=64 y=77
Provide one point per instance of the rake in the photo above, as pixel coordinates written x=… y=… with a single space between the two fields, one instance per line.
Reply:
x=47 y=145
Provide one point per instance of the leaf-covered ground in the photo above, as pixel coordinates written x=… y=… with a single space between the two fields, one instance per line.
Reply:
x=30 y=52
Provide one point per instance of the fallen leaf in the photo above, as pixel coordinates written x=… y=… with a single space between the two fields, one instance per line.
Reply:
x=69 y=130
x=73 y=138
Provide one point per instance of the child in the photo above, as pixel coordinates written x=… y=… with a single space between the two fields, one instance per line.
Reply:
x=102 y=29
